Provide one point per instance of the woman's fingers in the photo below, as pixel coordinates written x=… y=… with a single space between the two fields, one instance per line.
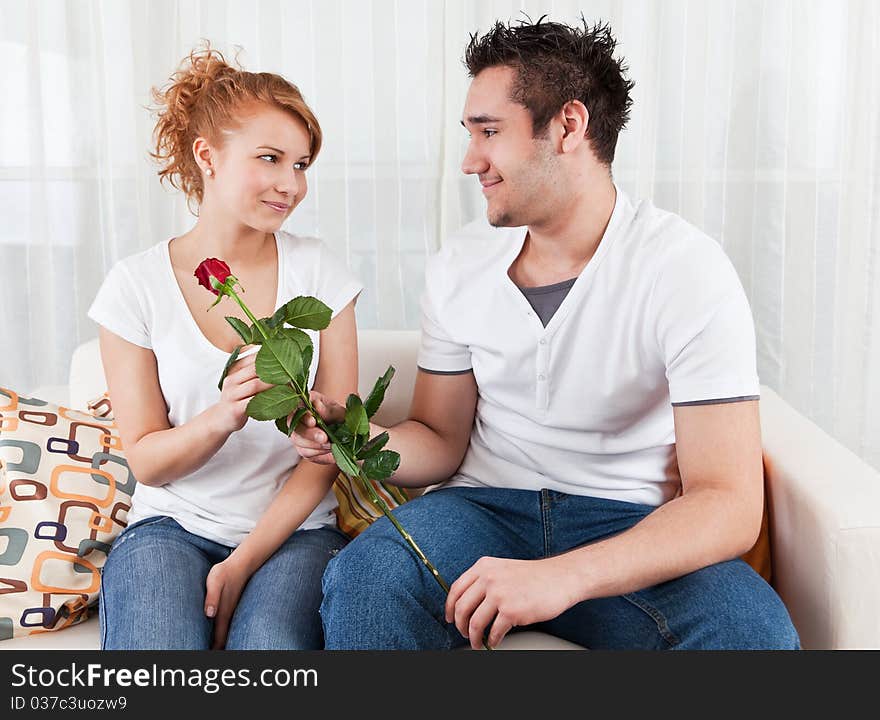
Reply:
x=248 y=389
x=244 y=362
x=213 y=589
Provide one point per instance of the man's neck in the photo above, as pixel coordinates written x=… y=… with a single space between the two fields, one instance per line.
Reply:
x=561 y=247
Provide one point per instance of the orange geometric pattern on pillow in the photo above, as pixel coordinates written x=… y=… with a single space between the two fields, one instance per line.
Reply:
x=65 y=492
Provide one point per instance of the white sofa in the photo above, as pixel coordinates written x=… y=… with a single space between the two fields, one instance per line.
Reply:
x=824 y=509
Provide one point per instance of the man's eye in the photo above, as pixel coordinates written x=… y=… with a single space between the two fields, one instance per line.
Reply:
x=489 y=133
x=270 y=158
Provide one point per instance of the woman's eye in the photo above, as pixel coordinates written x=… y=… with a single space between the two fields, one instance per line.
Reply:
x=302 y=165
x=269 y=158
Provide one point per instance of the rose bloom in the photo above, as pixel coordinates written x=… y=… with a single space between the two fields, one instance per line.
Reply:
x=209 y=267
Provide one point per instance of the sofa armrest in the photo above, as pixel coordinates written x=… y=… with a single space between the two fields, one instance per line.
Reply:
x=824 y=530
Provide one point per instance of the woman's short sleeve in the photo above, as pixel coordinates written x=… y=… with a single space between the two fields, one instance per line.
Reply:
x=335 y=285
x=118 y=308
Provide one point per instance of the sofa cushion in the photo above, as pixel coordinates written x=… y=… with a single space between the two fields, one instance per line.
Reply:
x=356 y=511
x=65 y=492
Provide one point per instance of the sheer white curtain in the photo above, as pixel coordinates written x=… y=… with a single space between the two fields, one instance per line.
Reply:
x=756 y=120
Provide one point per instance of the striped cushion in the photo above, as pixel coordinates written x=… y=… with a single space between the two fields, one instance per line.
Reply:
x=355 y=511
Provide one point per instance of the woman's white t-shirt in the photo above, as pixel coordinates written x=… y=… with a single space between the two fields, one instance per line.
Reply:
x=141 y=302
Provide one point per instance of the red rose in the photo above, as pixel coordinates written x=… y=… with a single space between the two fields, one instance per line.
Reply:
x=212 y=267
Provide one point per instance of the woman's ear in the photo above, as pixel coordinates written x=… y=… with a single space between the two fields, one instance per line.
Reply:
x=204 y=155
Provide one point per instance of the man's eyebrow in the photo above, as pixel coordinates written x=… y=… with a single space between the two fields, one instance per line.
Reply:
x=480 y=120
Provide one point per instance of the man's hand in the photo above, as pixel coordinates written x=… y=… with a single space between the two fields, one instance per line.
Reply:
x=309 y=440
x=224 y=586
x=506 y=594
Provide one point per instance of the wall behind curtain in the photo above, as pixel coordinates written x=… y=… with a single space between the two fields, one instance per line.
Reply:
x=756 y=120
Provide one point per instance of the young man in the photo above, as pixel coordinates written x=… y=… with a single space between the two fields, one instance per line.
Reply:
x=587 y=397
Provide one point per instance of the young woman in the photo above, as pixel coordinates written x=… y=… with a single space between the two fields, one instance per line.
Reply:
x=228 y=534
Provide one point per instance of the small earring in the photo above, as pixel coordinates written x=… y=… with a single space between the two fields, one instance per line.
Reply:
x=209 y=172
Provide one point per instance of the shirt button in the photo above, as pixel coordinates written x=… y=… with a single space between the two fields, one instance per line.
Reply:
x=542 y=341
x=541 y=377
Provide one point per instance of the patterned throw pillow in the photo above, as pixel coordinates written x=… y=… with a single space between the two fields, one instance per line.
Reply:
x=356 y=512
x=65 y=492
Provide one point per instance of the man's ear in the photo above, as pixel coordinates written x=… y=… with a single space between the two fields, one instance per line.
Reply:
x=575 y=119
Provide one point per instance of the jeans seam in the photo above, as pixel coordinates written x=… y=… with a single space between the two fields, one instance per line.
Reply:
x=547 y=522
x=658 y=618
x=102 y=613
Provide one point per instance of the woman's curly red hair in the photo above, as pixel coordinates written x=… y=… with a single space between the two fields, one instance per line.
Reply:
x=207 y=96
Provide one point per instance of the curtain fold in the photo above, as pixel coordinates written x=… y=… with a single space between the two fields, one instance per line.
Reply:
x=756 y=120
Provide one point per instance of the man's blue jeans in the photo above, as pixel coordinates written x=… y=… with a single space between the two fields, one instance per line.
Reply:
x=377 y=595
x=153 y=591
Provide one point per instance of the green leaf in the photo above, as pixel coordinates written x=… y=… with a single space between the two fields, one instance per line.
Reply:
x=306 y=312
x=381 y=466
x=229 y=363
x=242 y=328
x=373 y=447
x=276 y=321
x=346 y=465
x=276 y=402
x=377 y=394
x=282 y=422
x=341 y=433
x=256 y=336
x=356 y=416
x=279 y=361
x=297 y=416
x=303 y=379
x=298 y=336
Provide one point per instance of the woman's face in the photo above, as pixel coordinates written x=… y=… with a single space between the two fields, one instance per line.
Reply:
x=259 y=170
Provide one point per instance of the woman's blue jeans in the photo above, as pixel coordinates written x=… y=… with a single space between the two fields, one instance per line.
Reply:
x=377 y=595
x=153 y=591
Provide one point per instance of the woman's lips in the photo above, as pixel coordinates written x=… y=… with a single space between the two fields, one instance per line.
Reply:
x=277 y=207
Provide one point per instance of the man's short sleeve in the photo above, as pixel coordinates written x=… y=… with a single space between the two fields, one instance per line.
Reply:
x=118 y=308
x=439 y=352
x=705 y=331
x=335 y=285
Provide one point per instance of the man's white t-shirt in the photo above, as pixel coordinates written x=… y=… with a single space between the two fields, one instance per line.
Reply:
x=658 y=317
x=141 y=302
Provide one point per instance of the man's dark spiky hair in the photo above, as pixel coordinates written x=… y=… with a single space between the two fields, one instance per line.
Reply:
x=556 y=64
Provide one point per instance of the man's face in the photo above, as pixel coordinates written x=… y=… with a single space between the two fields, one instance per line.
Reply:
x=515 y=169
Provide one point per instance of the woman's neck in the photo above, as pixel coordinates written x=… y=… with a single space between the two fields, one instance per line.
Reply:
x=233 y=243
